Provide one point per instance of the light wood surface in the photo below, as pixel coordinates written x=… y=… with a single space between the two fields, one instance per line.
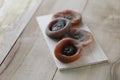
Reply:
x=9 y=57
x=33 y=61
x=13 y=19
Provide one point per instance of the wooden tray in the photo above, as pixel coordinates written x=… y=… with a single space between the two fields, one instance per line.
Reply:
x=92 y=54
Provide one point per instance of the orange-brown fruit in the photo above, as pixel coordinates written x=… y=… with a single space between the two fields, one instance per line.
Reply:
x=67 y=51
x=71 y=15
x=84 y=37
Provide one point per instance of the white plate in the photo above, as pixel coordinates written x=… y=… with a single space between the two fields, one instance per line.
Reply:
x=91 y=55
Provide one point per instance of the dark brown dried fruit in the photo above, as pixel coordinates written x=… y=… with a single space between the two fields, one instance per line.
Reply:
x=69 y=50
x=73 y=16
x=57 y=28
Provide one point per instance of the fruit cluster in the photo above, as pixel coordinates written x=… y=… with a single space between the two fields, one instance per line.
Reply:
x=72 y=39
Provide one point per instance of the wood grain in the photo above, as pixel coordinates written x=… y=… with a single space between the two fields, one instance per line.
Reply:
x=10 y=56
x=13 y=18
x=105 y=25
x=103 y=18
x=22 y=67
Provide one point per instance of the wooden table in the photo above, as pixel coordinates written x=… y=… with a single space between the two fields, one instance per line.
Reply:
x=33 y=61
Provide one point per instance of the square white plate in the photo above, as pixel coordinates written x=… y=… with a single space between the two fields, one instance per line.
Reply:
x=92 y=54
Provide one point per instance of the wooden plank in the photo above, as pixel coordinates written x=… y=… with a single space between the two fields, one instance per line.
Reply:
x=94 y=72
x=13 y=18
x=35 y=65
x=77 y=5
x=31 y=60
x=92 y=54
x=10 y=56
x=105 y=24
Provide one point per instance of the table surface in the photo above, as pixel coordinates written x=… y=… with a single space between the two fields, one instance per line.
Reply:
x=33 y=61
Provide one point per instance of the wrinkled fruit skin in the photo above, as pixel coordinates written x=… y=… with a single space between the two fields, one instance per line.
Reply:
x=84 y=37
x=58 y=25
x=67 y=58
x=57 y=28
x=73 y=16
